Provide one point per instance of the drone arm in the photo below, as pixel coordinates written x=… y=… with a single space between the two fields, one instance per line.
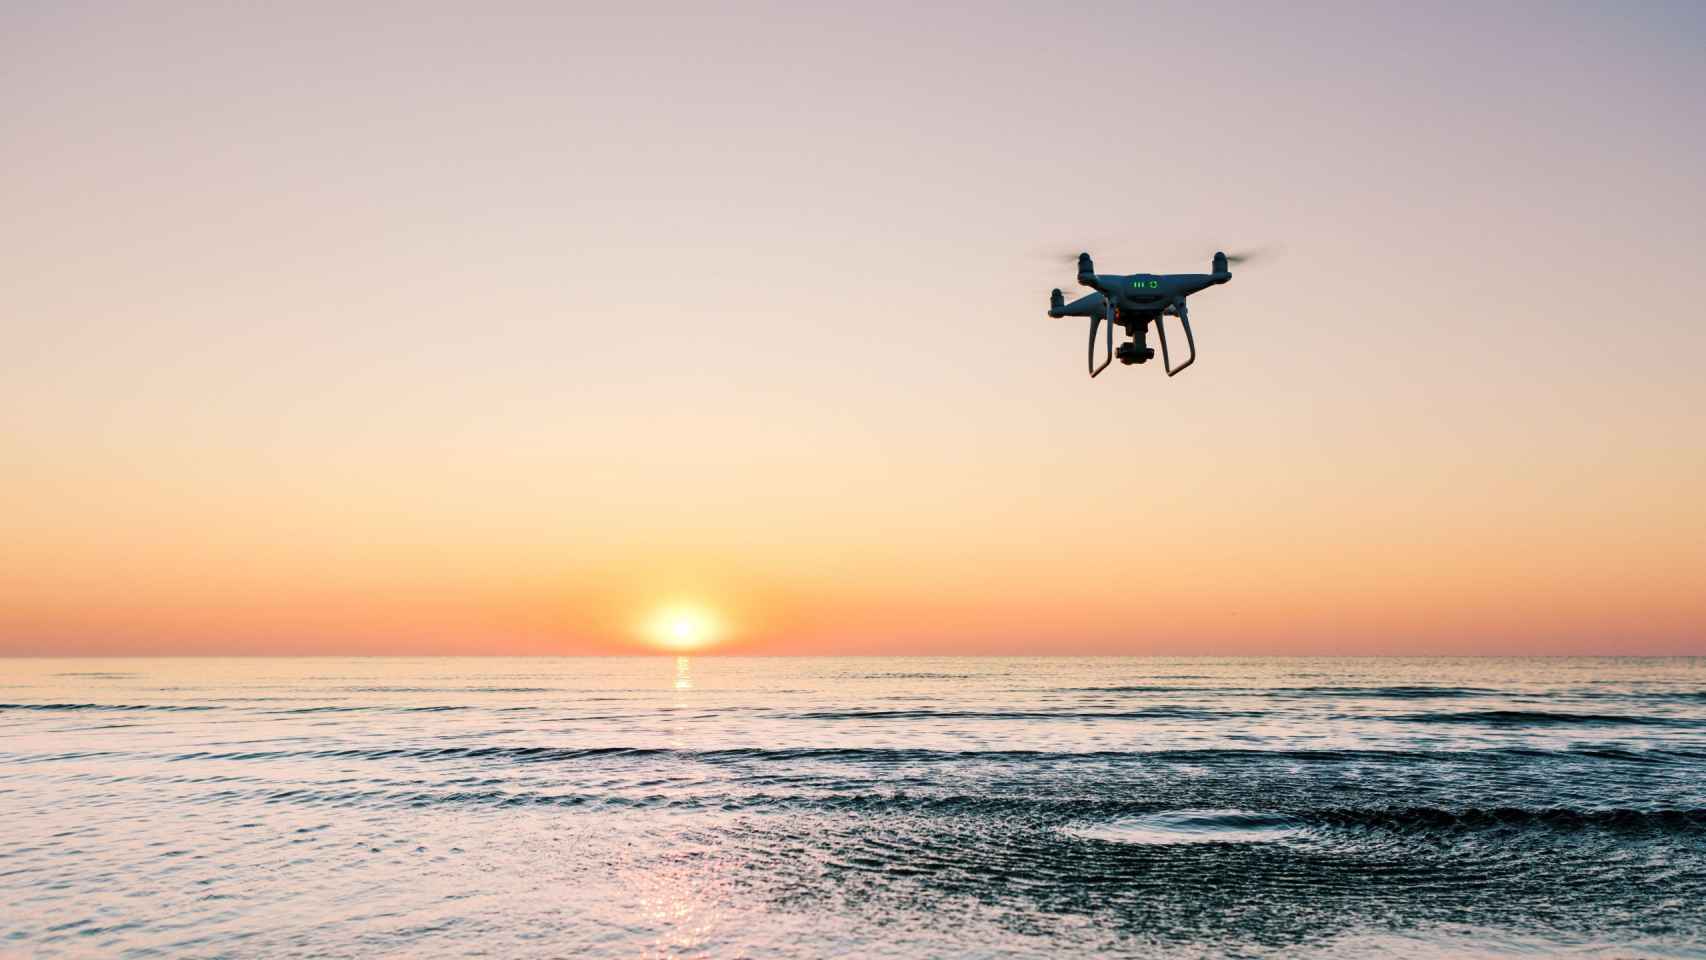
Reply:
x=1087 y=274
x=1161 y=328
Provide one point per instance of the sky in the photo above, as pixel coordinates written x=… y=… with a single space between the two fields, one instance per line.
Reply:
x=517 y=328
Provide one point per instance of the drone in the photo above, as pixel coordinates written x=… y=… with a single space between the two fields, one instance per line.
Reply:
x=1134 y=301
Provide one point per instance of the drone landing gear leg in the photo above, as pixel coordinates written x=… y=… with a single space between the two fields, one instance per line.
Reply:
x=1108 y=356
x=1161 y=327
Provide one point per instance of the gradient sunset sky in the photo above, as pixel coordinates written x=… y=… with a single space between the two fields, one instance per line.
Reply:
x=501 y=328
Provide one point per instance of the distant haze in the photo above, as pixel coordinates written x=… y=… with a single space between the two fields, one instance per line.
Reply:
x=500 y=328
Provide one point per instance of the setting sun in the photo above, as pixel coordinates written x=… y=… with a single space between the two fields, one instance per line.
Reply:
x=682 y=627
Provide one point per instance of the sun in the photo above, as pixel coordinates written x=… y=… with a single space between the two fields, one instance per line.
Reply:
x=682 y=627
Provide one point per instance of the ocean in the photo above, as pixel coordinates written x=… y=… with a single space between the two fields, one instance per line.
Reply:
x=857 y=807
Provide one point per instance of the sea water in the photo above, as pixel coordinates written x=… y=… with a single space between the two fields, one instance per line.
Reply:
x=882 y=807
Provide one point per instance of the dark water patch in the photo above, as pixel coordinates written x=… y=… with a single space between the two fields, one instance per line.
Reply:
x=1545 y=718
x=1688 y=820
x=1276 y=894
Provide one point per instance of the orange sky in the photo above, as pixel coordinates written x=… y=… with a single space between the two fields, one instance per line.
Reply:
x=501 y=335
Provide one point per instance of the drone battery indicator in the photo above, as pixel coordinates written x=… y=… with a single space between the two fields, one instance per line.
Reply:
x=1151 y=284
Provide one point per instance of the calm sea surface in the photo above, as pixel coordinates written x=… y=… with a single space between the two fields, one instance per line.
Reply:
x=852 y=807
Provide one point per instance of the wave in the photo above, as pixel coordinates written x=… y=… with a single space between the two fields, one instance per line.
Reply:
x=902 y=756
x=443 y=690
x=1409 y=692
x=1182 y=713
x=1547 y=718
x=1152 y=688
x=1085 y=817
x=370 y=708
x=515 y=754
x=107 y=706
x=1389 y=692
x=1175 y=827
x=273 y=711
x=903 y=675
